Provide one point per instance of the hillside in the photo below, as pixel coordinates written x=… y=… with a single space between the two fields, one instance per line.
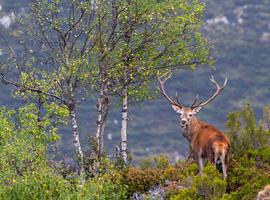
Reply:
x=240 y=34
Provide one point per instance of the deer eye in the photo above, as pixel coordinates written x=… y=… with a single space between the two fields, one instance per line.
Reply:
x=190 y=115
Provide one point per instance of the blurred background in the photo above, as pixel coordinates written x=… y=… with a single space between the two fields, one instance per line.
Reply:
x=239 y=31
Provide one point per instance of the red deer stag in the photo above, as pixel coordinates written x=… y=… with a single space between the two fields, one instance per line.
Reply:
x=206 y=140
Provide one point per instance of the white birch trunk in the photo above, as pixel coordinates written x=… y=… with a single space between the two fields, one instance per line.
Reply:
x=99 y=134
x=123 y=143
x=103 y=109
x=77 y=144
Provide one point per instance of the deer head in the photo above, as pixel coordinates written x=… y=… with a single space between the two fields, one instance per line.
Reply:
x=187 y=112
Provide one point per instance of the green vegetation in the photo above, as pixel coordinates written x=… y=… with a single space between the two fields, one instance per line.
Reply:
x=26 y=172
x=70 y=51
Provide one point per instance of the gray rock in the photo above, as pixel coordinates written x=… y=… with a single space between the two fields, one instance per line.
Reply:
x=137 y=196
x=157 y=193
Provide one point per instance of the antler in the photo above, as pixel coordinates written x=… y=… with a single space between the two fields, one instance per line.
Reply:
x=195 y=101
x=218 y=91
x=162 y=89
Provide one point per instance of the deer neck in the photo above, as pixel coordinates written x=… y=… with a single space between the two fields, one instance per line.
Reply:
x=189 y=129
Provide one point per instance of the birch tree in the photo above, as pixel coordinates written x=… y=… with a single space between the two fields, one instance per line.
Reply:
x=150 y=36
x=56 y=39
x=111 y=47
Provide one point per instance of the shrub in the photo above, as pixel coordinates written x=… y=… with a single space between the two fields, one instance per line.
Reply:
x=46 y=185
x=245 y=133
x=104 y=188
x=146 y=163
x=170 y=173
x=23 y=142
x=162 y=161
x=40 y=185
x=246 y=178
x=141 y=180
x=208 y=186
x=186 y=194
x=249 y=167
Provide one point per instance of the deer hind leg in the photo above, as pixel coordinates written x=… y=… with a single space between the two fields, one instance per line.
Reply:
x=200 y=160
x=211 y=155
x=216 y=158
x=200 y=163
x=223 y=162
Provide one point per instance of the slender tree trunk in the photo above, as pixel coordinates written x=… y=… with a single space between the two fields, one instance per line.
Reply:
x=77 y=145
x=103 y=109
x=123 y=143
x=99 y=134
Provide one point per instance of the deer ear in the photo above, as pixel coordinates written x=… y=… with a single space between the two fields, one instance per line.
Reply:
x=196 y=110
x=176 y=108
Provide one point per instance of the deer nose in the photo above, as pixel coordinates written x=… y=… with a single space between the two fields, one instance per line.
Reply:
x=183 y=121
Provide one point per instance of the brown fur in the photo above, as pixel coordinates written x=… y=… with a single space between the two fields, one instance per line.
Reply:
x=206 y=137
x=208 y=142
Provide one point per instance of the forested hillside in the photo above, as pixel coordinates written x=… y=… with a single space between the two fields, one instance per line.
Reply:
x=239 y=32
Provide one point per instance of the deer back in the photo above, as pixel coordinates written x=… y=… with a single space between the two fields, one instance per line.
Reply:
x=204 y=136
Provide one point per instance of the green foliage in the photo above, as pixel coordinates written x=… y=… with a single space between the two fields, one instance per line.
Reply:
x=147 y=36
x=208 y=186
x=246 y=181
x=186 y=194
x=162 y=161
x=249 y=166
x=146 y=163
x=188 y=170
x=104 y=188
x=24 y=141
x=245 y=133
x=45 y=184
x=159 y=162
x=141 y=180
x=39 y=184
x=25 y=173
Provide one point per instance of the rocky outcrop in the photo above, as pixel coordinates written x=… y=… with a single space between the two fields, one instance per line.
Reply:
x=155 y=193
x=264 y=194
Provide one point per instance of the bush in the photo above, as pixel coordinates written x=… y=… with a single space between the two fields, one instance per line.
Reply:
x=245 y=133
x=186 y=194
x=45 y=185
x=146 y=163
x=162 y=161
x=40 y=185
x=23 y=142
x=208 y=186
x=249 y=167
x=141 y=180
x=246 y=178
x=104 y=188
